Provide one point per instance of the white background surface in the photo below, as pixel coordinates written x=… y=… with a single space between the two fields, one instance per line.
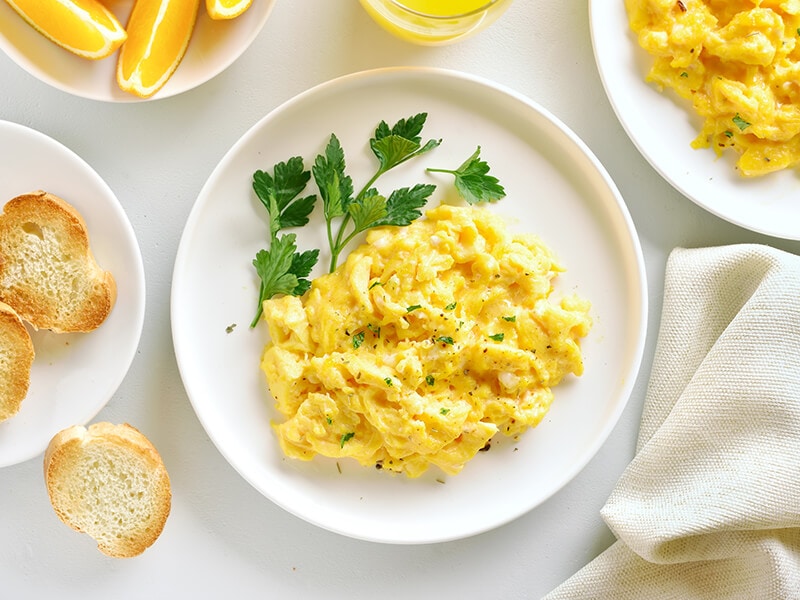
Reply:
x=223 y=539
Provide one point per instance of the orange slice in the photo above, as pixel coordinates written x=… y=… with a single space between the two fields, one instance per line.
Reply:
x=84 y=27
x=158 y=35
x=226 y=9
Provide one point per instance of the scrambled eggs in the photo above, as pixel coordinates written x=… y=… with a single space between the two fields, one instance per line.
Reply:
x=738 y=62
x=430 y=339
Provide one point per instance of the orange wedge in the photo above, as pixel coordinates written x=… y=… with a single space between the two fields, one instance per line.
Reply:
x=226 y=9
x=158 y=35
x=84 y=27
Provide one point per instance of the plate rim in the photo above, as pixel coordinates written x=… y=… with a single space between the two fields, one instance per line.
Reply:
x=626 y=389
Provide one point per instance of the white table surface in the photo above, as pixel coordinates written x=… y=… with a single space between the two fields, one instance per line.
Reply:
x=223 y=539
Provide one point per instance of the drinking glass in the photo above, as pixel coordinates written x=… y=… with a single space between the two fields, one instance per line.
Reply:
x=434 y=22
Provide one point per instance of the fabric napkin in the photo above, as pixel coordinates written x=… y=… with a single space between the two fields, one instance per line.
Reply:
x=710 y=505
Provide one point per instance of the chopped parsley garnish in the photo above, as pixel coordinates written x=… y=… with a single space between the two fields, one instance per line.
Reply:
x=473 y=181
x=388 y=381
x=511 y=319
x=373 y=284
x=358 y=339
x=376 y=331
x=445 y=339
x=444 y=411
x=413 y=307
x=346 y=437
x=429 y=379
x=329 y=420
x=740 y=122
x=451 y=306
x=728 y=133
x=497 y=337
x=684 y=74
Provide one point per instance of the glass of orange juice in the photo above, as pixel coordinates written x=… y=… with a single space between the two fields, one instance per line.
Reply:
x=434 y=22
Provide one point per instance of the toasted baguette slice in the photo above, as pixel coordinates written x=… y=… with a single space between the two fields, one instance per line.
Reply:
x=47 y=271
x=16 y=358
x=109 y=482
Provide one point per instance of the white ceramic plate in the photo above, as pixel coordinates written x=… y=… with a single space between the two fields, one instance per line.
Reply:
x=662 y=126
x=214 y=46
x=555 y=188
x=74 y=375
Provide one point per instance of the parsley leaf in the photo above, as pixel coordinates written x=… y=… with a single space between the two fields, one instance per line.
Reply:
x=335 y=187
x=395 y=145
x=394 y=150
x=497 y=337
x=473 y=181
x=367 y=210
x=410 y=128
x=278 y=194
x=358 y=339
x=740 y=122
x=403 y=205
x=346 y=437
x=282 y=270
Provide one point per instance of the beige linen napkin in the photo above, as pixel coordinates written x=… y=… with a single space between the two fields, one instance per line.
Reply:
x=710 y=505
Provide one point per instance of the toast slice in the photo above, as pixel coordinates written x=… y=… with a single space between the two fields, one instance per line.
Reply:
x=109 y=482
x=48 y=273
x=16 y=358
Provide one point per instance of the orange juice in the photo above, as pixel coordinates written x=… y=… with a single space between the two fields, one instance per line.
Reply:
x=434 y=22
x=444 y=8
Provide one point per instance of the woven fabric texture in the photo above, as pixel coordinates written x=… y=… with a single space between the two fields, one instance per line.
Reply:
x=709 y=507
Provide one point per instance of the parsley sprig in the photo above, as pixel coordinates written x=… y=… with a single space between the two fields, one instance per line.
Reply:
x=281 y=268
x=284 y=270
x=473 y=181
x=368 y=208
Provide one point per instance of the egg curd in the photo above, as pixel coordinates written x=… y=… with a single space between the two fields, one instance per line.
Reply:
x=738 y=62
x=429 y=340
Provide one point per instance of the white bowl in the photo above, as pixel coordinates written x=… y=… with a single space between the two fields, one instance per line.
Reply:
x=213 y=48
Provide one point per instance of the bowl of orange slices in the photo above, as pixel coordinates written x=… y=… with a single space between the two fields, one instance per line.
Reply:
x=128 y=50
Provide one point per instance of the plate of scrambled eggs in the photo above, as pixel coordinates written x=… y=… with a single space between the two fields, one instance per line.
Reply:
x=479 y=352
x=708 y=93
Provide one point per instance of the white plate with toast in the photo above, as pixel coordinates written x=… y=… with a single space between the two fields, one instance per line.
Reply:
x=556 y=188
x=662 y=127
x=73 y=375
x=214 y=46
